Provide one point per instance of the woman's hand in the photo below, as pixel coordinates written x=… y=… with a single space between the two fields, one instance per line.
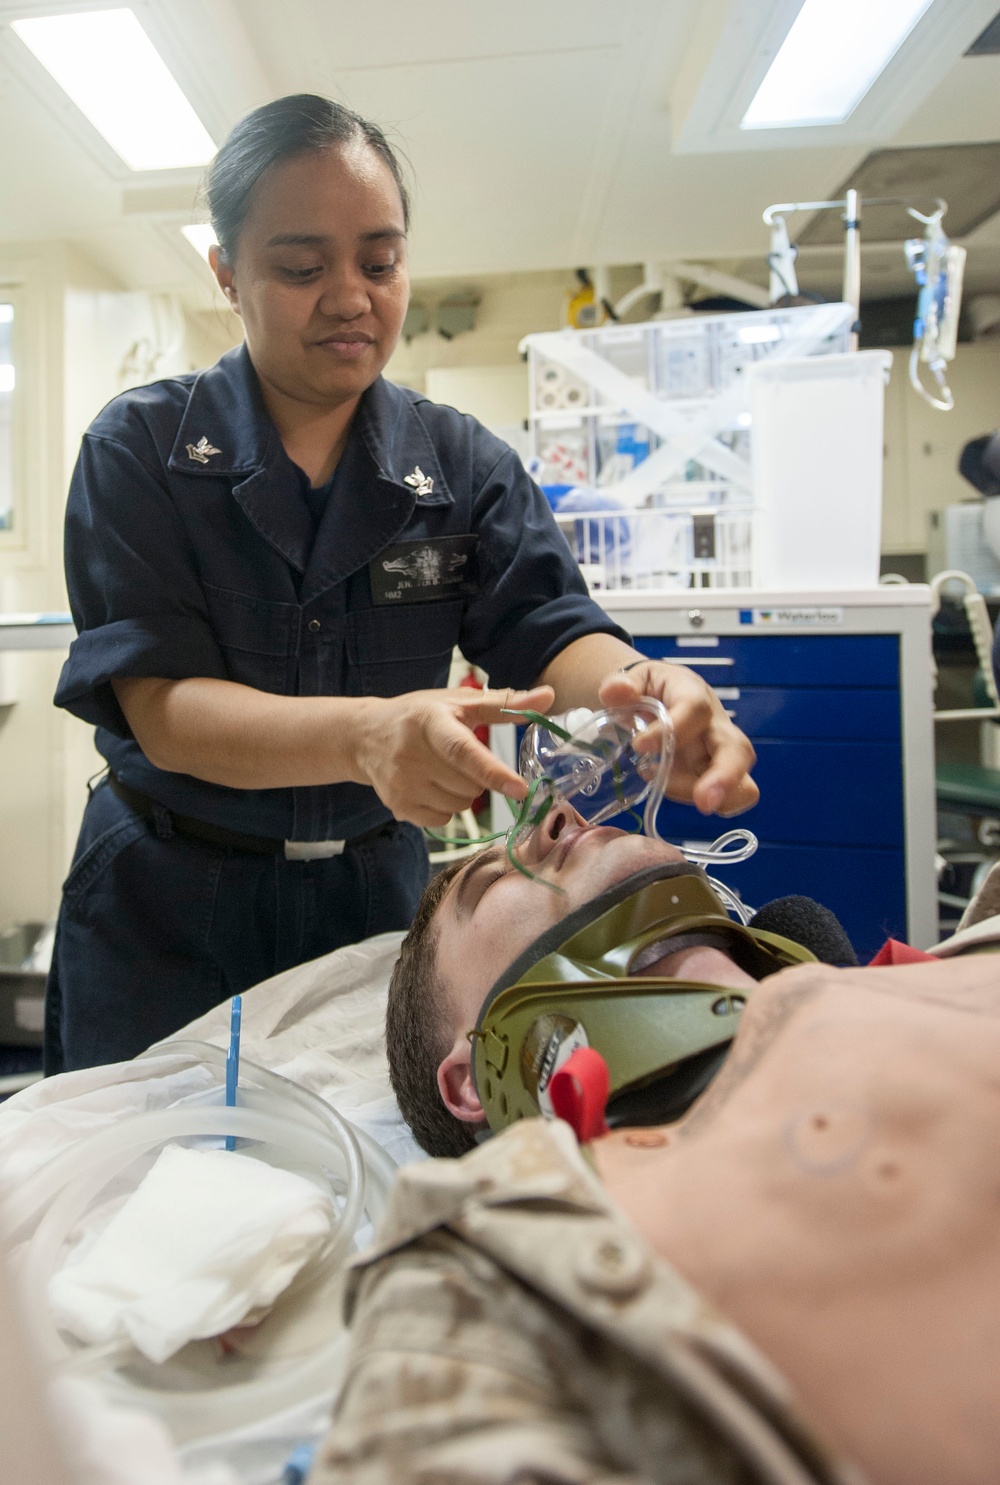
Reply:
x=418 y=752
x=713 y=759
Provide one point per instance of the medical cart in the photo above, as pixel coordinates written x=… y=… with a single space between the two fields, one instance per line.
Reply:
x=835 y=692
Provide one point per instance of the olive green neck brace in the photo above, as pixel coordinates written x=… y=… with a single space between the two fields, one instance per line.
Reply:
x=572 y=987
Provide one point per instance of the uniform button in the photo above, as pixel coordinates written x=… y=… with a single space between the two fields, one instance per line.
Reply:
x=315 y=625
x=614 y=1266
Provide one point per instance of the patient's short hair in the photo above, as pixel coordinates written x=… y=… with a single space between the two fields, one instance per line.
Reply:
x=417 y=1030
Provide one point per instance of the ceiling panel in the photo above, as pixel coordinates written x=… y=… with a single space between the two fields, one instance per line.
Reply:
x=321 y=39
x=690 y=206
x=148 y=255
x=500 y=169
x=964 y=108
x=539 y=131
x=966 y=176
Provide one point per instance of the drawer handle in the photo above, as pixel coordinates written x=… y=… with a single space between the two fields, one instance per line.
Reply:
x=702 y=660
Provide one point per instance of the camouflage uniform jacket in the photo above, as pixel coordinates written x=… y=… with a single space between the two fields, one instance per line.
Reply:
x=510 y=1325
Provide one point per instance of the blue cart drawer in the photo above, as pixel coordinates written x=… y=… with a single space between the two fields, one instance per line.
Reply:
x=786 y=659
x=821 y=793
x=866 y=889
x=803 y=712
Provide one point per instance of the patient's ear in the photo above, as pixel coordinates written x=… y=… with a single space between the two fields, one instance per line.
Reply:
x=455 y=1083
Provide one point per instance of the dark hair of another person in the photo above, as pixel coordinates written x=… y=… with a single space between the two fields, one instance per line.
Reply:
x=278 y=131
x=417 y=1038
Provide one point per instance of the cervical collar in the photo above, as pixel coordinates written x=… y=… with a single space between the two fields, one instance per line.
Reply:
x=662 y=1039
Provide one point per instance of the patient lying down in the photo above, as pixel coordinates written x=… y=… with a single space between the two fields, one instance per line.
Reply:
x=540 y=1312
x=474 y=921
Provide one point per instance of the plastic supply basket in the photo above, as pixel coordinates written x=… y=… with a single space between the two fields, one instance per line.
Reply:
x=648 y=428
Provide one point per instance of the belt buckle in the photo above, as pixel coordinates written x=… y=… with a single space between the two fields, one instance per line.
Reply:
x=313 y=850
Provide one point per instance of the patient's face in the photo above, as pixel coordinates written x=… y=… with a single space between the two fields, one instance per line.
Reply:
x=492 y=912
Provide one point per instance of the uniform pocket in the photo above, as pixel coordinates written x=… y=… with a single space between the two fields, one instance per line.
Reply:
x=393 y=650
x=258 y=638
x=98 y=856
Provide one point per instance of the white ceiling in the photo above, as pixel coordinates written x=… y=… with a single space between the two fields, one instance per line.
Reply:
x=540 y=132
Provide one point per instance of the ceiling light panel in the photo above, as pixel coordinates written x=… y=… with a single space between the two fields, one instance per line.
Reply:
x=802 y=74
x=111 y=70
x=831 y=56
x=201 y=236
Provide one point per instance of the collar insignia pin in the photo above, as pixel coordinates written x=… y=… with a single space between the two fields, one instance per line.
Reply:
x=201 y=451
x=420 y=482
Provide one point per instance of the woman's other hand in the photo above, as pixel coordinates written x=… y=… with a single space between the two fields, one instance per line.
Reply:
x=713 y=758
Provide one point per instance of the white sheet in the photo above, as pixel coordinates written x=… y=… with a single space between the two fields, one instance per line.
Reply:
x=321 y=1024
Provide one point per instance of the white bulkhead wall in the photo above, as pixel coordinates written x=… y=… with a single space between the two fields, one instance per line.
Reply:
x=82 y=342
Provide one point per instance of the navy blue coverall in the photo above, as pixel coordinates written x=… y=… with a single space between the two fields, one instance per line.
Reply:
x=194 y=547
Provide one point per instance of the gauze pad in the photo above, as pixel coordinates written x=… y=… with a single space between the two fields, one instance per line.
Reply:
x=206 y=1238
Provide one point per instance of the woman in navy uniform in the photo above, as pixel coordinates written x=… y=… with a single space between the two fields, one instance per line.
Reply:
x=269 y=564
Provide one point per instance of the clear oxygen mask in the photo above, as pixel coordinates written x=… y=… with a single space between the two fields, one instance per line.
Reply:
x=591 y=761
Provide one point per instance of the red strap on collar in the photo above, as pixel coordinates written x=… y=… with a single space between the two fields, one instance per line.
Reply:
x=579 y=1090
x=893 y=952
x=579 y=1093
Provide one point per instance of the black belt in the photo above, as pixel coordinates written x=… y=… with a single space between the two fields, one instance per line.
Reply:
x=212 y=835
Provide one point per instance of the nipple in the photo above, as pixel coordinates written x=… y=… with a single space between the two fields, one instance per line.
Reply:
x=646 y=1139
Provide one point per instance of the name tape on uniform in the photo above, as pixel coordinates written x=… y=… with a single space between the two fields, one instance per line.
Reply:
x=426 y=571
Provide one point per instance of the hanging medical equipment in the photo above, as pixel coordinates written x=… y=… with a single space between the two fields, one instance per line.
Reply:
x=938 y=267
x=782 y=256
x=937 y=264
x=781 y=261
x=589 y=305
x=981 y=629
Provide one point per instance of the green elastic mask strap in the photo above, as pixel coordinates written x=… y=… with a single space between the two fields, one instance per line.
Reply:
x=574 y=981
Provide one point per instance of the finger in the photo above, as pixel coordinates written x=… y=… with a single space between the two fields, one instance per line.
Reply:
x=435 y=804
x=725 y=787
x=747 y=795
x=692 y=716
x=440 y=797
x=535 y=698
x=711 y=797
x=470 y=761
x=652 y=740
x=620 y=689
x=426 y=816
x=481 y=708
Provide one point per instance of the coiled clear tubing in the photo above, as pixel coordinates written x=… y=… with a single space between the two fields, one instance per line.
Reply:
x=590 y=760
x=277 y=1121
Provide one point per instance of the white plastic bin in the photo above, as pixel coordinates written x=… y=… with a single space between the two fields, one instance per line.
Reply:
x=817 y=469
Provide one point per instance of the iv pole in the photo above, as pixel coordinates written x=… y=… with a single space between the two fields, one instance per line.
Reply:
x=782 y=254
x=850 y=209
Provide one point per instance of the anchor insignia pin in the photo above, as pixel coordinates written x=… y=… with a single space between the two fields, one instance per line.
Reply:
x=420 y=482
x=201 y=451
